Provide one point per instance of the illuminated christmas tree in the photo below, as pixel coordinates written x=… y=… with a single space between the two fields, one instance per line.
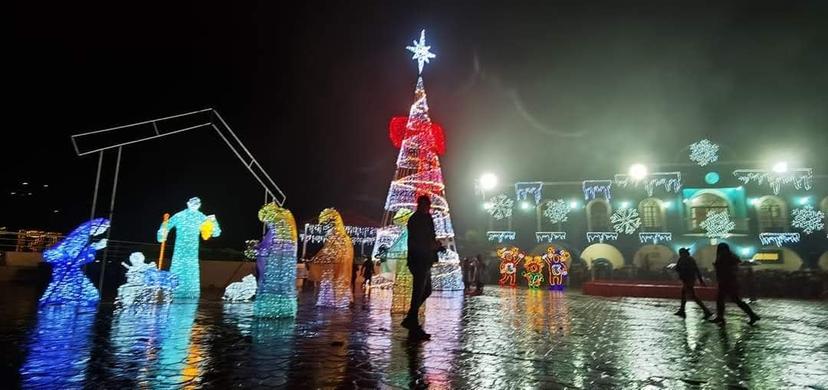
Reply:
x=421 y=142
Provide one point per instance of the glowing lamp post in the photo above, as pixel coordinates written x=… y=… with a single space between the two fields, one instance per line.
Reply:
x=780 y=167
x=638 y=171
x=487 y=182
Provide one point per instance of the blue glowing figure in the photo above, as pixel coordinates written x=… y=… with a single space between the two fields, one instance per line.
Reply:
x=68 y=284
x=145 y=283
x=276 y=264
x=189 y=224
x=59 y=349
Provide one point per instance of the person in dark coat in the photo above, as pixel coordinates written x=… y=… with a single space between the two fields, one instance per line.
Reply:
x=479 y=268
x=465 y=268
x=367 y=271
x=726 y=273
x=688 y=271
x=422 y=254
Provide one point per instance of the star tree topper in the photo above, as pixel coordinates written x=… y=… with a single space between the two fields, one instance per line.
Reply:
x=421 y=51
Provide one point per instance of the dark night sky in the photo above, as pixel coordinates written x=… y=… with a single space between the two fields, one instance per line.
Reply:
x=545 y=90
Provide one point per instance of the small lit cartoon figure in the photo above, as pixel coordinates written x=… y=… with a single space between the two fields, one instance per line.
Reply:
x=68 y=284
x=509 y=259
x=556 y=262
x=335 y=259
x=145 y=283
x=534 y=271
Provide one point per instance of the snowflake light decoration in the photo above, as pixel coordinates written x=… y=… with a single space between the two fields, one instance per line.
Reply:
x=625 y=220
x=500 y=207
x=704 y=152
x=717 y=224
x=557 y=211
x=421 y=51
x=807 y=219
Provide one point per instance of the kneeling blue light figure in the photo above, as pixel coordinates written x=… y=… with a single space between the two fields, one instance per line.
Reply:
x=68 y=284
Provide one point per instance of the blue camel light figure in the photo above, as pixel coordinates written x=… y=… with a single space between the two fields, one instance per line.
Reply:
x=68 y=284
x=189 y=224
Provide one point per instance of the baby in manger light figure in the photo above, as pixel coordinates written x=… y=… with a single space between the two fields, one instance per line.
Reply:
x=145 y=283
x=556 y=264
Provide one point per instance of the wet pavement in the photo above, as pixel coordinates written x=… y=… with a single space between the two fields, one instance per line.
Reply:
x=506 y=338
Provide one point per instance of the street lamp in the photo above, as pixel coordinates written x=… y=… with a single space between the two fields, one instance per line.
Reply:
x=488 y=181
x=638 y=171
x=780 y=167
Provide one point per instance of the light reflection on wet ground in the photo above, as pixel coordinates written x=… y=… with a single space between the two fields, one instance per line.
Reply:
x=503 y=339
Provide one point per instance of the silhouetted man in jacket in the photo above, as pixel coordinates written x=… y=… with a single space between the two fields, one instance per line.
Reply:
x=727 y=274
x=688 y=271
x=422 y=254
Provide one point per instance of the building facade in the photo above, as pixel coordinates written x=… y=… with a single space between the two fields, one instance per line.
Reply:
x=634 y=224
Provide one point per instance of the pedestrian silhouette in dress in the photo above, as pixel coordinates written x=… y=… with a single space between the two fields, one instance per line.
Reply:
x=688 y=271
x=726 y=273
x=422 y=254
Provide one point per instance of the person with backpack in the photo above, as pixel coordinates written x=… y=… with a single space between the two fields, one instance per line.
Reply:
x=688 y=271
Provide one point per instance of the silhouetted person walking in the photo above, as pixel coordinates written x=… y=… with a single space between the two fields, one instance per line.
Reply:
x=422 y=254
x=367 y=272
x=726 y=273
x=688 y=271
x=465 y=268
x=479 y=267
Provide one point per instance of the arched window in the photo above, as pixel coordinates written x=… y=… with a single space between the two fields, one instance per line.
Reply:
x=772 y=215
x=598 y=213
x=652 y=215
x=704 y=204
